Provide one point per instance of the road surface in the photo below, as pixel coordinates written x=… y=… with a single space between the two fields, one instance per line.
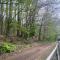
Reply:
x=34 y=53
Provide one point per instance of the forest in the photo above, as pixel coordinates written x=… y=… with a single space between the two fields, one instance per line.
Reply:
x=24 y=22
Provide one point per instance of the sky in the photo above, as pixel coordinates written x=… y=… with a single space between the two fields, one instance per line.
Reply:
x=54 y=8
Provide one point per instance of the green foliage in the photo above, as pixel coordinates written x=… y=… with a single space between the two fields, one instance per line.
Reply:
x=20 y=1
x=28 y=2
x=51 y=31
x=28 y=32
x=7 y=48
x=52 y=37
x=7 y=25
x=24 y=32
x=32 y=30
x=14 y=27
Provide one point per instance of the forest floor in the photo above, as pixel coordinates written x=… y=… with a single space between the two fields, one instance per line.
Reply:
x=37 y=52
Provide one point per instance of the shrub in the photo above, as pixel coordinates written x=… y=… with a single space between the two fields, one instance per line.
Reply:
x=7 y=48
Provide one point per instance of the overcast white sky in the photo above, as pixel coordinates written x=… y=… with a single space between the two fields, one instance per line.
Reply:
x=55 y=8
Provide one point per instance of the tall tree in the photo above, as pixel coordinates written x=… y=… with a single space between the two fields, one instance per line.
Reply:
x=1 y=15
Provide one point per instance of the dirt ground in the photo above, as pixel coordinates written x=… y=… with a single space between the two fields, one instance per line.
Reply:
x=39 y=52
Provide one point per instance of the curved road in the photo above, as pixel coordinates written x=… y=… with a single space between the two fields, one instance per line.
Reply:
x=34 y=53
